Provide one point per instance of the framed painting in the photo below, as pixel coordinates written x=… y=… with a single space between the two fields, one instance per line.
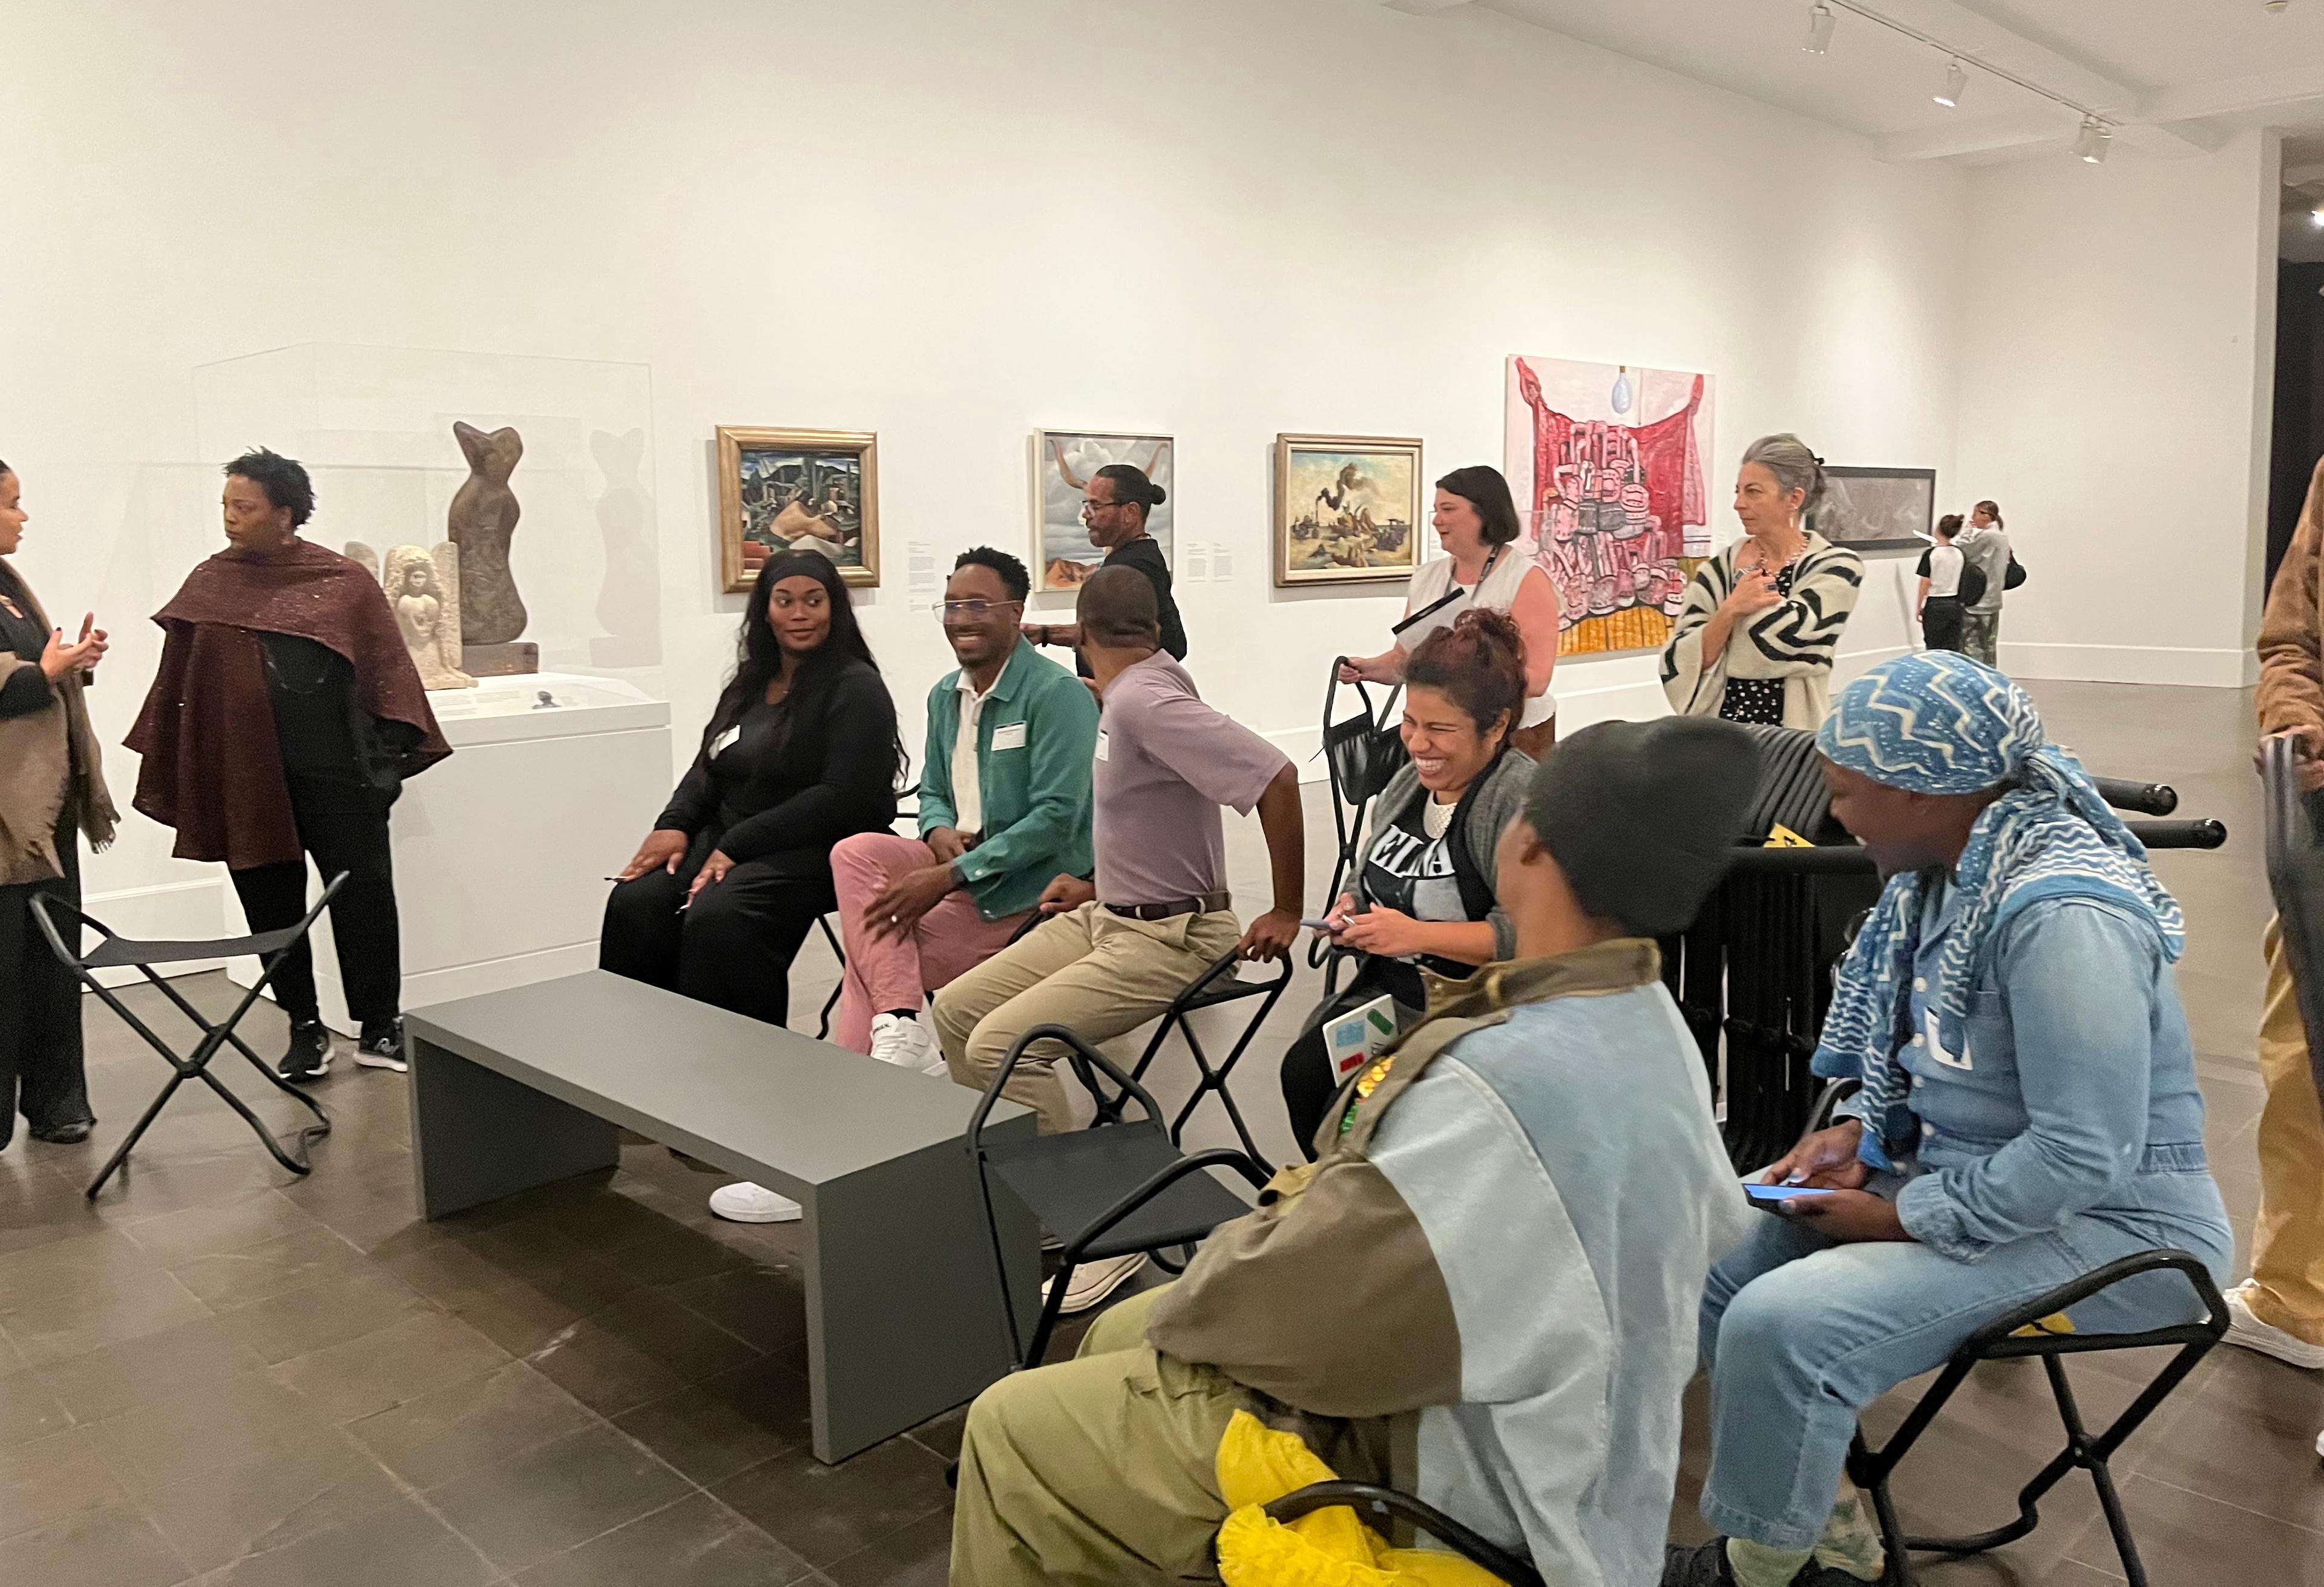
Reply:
x=1877 y=511
x=1346 y=509
x=1063 y=463
x=798 y=490
x=1606 y=462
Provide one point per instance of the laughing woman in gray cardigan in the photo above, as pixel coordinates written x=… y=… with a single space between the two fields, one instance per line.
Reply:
x=1422 y=900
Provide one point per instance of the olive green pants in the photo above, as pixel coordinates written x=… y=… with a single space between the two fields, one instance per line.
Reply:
x=1101 y=1469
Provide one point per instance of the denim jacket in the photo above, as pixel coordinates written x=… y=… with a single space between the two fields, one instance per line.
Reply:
x=2076 y=1095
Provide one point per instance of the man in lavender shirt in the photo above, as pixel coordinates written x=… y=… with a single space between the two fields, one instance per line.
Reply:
x=1114 y=953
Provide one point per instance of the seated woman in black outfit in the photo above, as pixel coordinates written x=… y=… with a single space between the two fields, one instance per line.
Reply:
x=1422 y=896
x=801 y=752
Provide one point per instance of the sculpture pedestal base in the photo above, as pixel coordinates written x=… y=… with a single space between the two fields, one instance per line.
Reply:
x=500 y=661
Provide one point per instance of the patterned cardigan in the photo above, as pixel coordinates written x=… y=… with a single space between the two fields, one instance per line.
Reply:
x=1795 y=641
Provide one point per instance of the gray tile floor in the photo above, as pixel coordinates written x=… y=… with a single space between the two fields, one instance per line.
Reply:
x=224 y=1374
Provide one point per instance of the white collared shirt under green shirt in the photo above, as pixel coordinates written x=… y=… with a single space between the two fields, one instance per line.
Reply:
x=967 y=791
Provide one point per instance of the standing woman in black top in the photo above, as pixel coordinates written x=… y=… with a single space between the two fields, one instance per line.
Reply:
x=1115 y=505
x=800 y=753
x=52 y=794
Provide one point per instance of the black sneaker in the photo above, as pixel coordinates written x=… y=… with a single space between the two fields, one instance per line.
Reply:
x=382 y=1046
x=310 y=1054
x=1701 y=1564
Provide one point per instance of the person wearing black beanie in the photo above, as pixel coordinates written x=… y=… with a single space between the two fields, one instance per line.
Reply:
x=1642 y=817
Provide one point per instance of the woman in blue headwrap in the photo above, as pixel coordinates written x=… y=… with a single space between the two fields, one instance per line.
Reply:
x=2028 y=1111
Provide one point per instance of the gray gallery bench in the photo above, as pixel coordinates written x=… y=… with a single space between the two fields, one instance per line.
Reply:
x=517 y=1088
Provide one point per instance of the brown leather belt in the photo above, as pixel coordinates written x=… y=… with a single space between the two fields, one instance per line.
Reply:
x=1208 y=903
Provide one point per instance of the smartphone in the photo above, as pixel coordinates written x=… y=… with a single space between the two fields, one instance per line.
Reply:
x=1768 y=1197
x=1319 y=925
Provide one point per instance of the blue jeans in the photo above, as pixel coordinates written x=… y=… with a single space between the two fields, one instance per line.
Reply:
x=1799 y=1333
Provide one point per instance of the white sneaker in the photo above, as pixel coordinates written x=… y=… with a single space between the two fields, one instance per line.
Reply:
x=1092 y=1281
x=753 y=1204
x=904 y=1041
x=2248 y=1331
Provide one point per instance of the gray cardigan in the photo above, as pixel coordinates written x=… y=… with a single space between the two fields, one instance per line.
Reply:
x=1497 y=806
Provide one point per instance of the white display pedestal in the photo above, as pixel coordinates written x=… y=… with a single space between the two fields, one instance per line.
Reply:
x=501 y=851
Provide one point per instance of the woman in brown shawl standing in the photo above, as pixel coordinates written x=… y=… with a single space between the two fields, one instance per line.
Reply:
x=52 y=794
x=284 y=717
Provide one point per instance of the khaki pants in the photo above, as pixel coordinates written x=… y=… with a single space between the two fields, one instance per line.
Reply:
x=2288 y=1237
x=1101 y=1469
x=1090 y=970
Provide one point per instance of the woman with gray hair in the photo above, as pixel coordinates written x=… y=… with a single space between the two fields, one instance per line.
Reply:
x=1754 y=640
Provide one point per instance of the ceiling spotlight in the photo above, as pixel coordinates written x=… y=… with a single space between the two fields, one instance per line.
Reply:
x=2276 y=7
x=2092 y=142
x=1956 y=83
x=1820 y=22
x=2316 y=217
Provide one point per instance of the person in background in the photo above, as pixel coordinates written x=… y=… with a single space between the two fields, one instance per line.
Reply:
x=283 y=721
x=1476 y=522
x=2040 y=1121
x=1423 y=898
x=51 y=795
x=1484 y=1293
x=1986 y=545
x=1004 y=807
x=1116 y=951
x=1761 y=624
x=2279 y=1311
x=1115 y=504
x=801 y=752
x=1948 y=582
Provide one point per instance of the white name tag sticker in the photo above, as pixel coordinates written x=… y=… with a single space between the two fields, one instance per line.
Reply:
x=1009 y=736
x=718 y=745
x=1104 y=748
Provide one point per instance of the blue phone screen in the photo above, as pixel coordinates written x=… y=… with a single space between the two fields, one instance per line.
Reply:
x=1782 y=1192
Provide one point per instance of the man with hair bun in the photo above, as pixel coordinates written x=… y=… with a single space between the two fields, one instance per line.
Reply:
x=1115 y=504
x=1118 y=948
x=1484 y=1292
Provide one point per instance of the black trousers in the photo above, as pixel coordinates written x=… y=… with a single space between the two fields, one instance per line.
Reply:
x=344 y=825
x=40 y=1057
x=733 y=948
x=1941 y=622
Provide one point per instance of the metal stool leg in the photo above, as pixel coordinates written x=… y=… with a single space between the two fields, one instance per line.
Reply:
x=823 y=1026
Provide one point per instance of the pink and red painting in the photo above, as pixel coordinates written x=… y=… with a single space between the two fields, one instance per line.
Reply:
x=1607 y=462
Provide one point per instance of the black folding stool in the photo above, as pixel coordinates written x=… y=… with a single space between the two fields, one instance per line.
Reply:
x=2016 y=1336
x=1382 y=1508
x=1216 y=985
x=1362 y=753
x=114 y=951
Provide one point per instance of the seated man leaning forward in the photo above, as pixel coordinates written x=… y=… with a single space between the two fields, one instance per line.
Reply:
x=2028 y=1111
x=1113 y=955
x=1485 y=1290
x=1004 y=807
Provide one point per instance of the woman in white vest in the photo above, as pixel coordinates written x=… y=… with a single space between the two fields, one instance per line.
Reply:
x=1476 y=522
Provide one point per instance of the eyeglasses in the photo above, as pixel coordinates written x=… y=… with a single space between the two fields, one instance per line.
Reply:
x=975 y=611
x=1090 y=507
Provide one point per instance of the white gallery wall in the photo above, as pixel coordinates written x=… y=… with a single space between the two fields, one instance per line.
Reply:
x=946 y=221
x=2117 y=375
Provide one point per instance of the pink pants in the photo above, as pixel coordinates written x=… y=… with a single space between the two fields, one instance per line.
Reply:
x=884 y=973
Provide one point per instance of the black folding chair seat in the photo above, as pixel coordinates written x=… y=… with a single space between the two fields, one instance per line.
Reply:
x=1120 y=1187
x=113 y=951
x=1074 y=1180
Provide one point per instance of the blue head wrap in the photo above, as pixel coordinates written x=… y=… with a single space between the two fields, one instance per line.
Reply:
x=1940 y=722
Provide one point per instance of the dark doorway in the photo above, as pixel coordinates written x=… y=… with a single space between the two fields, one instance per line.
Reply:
x=2299 y=400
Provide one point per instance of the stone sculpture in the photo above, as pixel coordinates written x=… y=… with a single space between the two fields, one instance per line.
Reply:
x=424 y=591
x=482 y=520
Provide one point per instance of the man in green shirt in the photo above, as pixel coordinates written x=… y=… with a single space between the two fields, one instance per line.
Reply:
x=1004 y=810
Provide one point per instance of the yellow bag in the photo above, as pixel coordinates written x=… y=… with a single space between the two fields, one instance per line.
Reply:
x=1330 y=1548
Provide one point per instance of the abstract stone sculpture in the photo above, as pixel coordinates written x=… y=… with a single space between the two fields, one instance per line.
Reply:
x=482 y=520
x=424 y=591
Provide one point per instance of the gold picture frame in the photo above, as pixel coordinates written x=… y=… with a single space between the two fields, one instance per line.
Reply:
x=789 y=490
x=1346 y=509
